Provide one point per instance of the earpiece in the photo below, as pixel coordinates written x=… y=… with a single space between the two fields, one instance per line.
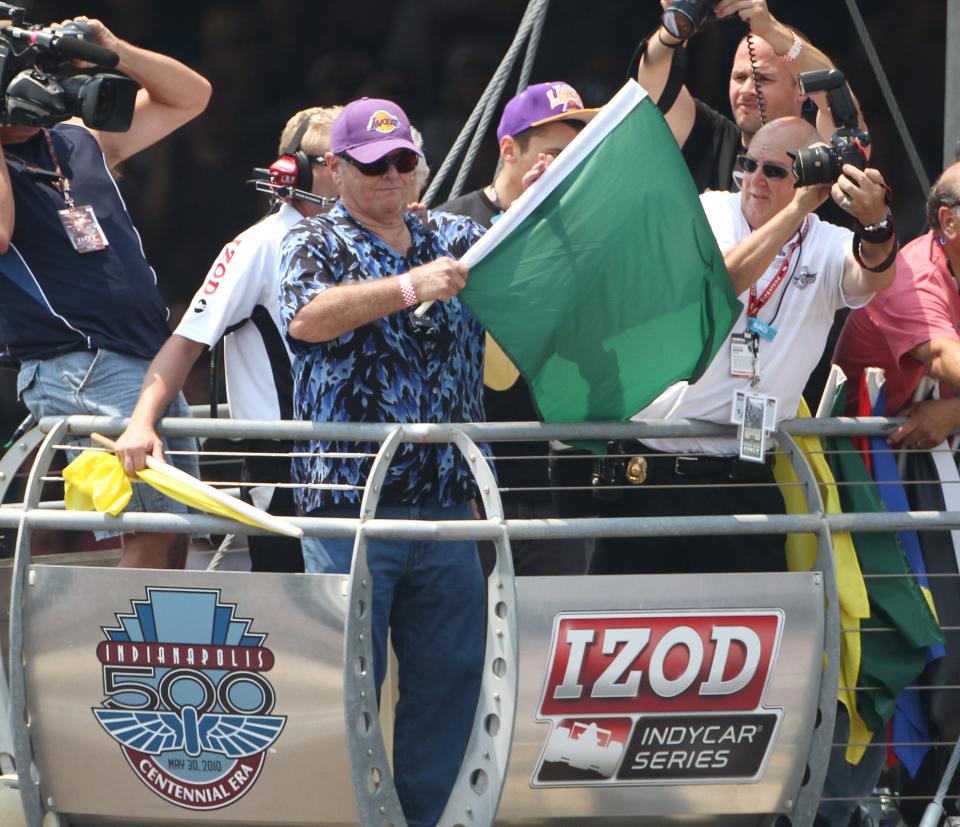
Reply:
x=293 y=168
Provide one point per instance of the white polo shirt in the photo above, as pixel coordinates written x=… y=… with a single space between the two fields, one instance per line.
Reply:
x=242 y=288
x=802 y=310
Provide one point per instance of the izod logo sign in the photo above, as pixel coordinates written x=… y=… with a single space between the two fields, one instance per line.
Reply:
x=655 y=696
x=666 y=663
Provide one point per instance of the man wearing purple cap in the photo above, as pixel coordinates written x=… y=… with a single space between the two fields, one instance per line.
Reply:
x=350 y=281
x=540 y=121
x=536 y=124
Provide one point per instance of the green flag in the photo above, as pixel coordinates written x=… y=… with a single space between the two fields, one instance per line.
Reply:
x=901 y=627
x=603 y=282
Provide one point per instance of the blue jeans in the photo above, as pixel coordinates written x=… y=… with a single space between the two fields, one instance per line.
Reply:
x=851 y=782
x=431 y=596
x=102 y=383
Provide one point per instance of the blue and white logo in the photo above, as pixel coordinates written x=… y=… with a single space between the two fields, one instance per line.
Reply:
x=186 y=697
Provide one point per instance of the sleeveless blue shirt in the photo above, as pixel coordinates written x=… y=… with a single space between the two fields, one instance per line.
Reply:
x=55 y=299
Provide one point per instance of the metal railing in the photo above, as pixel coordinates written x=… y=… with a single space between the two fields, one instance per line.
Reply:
x=816 y=522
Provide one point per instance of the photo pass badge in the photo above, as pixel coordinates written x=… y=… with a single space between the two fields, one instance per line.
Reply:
x=186 y=697
x=654 y=697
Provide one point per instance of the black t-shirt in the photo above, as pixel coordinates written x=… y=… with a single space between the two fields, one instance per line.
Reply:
x=515 y=404
x=711 y=149
x=474 y=205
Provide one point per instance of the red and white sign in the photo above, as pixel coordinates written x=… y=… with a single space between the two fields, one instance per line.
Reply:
x=606 y=664
x=658 y=697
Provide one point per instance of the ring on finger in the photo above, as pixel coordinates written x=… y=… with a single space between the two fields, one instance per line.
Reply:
x=846 y=203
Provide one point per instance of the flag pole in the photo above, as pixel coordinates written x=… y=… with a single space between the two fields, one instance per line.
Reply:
x=251 y=512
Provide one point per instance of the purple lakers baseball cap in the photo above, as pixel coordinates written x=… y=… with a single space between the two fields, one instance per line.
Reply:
x=369 y=128
x=542 y=103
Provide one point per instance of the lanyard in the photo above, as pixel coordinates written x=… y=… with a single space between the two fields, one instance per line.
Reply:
x=756 y=303
x=64 y=183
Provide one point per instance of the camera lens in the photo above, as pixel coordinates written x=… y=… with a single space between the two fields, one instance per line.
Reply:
x=815 y=165
x=683 y=18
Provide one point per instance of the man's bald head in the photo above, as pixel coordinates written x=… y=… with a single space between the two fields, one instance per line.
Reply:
x=785 y=133
x=778 y=86
x=762 y=197
x=944 y=193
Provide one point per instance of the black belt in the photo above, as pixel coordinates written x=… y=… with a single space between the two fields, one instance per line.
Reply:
x=634 y=463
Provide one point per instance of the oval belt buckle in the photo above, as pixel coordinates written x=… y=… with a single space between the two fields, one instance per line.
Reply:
x=636 y=471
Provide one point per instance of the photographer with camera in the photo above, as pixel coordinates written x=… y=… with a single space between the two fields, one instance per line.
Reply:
x=763 y=83
x=792 y=271
x=80 y=309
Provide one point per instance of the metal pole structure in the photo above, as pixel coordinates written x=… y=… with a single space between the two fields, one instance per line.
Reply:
x=493 y=91
x=951 y=102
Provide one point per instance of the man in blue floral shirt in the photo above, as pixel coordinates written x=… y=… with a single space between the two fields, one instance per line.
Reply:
x=350 y=281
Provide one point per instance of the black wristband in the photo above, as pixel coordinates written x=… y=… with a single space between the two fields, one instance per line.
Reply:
x=883 y=265
x=876 y=236
x=664 y=42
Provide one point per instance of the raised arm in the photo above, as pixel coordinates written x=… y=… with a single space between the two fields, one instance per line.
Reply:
x=749 y=259
x=784 y=41
x=171 y=95
x=653 y=72
x=865 y=193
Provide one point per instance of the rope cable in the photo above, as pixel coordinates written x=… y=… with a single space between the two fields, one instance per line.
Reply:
x=493 y=90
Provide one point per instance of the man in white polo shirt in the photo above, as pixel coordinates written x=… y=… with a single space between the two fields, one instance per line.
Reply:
x=239 y=299
x=792 y=272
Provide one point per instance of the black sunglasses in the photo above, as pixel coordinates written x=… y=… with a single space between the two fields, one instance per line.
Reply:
x=772 y=171
x=404 y=161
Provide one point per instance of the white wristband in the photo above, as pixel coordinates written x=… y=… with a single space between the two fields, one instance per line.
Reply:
x=794 y=52
x=407 y=290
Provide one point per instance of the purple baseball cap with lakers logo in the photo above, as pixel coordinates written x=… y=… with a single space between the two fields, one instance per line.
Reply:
x=542 y=103
x=369 y=128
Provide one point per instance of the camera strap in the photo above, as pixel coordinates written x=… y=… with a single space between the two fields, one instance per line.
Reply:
x=675 y=78
x=756 y=302
x=63 y=183
x=79 y=222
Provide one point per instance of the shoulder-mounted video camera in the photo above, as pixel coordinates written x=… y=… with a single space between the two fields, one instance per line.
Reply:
x=824 y=164
x=38 y=84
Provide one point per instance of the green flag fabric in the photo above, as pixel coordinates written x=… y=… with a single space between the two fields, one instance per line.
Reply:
x=901 y=627
x=603 y=282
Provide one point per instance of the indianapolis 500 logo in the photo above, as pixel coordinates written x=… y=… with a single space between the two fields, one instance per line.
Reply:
x=186 y=697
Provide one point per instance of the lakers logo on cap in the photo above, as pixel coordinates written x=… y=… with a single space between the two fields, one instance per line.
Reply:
x=383 y=122
x=564 y=97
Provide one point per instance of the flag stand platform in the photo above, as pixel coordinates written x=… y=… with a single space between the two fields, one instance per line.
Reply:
x=153 y=697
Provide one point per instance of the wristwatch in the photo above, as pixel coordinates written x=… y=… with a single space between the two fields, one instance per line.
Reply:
x=879 y=226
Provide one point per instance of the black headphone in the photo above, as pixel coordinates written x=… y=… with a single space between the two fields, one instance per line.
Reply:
x=294 y=167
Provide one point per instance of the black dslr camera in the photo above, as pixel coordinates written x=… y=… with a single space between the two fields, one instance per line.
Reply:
x=38 y=86
x=684 y=18
x=824 y=164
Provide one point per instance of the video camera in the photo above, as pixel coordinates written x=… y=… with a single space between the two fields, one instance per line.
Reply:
x=824 y=164
x=38 y=88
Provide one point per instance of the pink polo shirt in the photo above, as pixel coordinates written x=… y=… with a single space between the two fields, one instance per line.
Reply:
x=922 y=304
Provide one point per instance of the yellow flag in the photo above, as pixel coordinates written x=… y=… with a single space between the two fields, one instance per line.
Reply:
x=851 y=589
x=95 y=481
x=499 y=373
